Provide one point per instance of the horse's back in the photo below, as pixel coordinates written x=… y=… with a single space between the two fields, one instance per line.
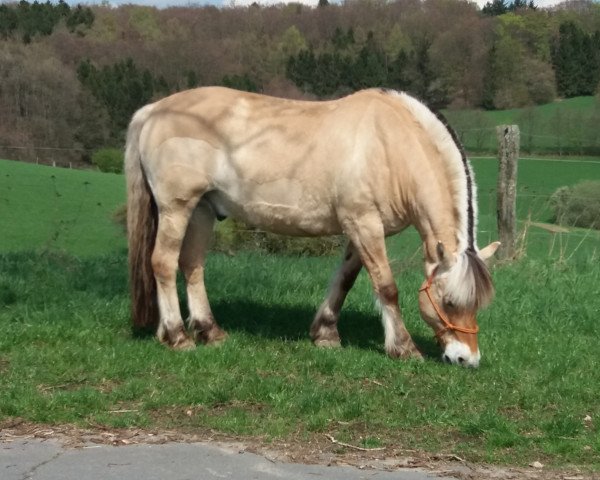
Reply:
x=286 y=165
x=234 y=119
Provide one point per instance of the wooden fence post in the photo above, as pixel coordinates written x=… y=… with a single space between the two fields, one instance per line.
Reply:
x=508 y=154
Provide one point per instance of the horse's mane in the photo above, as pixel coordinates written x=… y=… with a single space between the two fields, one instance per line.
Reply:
x=458 y=168
x=469 y=284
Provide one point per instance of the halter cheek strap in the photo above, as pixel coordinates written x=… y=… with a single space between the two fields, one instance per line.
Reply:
x=448 y=325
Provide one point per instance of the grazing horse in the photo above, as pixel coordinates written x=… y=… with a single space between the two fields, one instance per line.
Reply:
x=367 y=165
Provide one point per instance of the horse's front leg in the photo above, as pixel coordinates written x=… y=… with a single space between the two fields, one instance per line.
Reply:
x=367 y=235
x=323 y=330
x=191 y=261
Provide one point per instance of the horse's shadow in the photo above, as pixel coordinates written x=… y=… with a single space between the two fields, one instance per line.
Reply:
x=291 y=323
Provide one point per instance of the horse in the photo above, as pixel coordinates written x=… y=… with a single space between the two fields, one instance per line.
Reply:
x=367 y=166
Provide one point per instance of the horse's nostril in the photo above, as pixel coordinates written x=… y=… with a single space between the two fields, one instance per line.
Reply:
x=461 y=360
x=446 y=358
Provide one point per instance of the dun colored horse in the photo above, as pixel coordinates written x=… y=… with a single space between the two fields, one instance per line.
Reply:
x=367 y=165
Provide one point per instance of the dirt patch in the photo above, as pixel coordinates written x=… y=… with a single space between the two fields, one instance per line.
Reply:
x=320 y=449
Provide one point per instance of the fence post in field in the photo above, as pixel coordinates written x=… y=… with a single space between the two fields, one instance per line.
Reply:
x=508 y=154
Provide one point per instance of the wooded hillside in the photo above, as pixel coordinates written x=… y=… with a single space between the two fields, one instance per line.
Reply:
x=72 y=76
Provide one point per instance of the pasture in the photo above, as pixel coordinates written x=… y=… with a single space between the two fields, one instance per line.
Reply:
x=67 y=354
x=567 y=126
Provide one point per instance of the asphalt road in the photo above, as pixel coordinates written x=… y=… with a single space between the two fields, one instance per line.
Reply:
x=23 y=459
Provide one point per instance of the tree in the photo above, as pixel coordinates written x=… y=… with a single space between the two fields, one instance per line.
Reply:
x=500 y=7
x=33 y=19
x=8 y=21
x=241 y=82
x=301 y=68
x=38 y=101
x=505 y=77
x=495 y=7
x=342 y=40
x=93 y=128
x=576 y=59
x=83 y=16
x=369 y=69
x=459 y=55
x=426 y=83
x=399 y=72
x=121 y=88
x=191 y=79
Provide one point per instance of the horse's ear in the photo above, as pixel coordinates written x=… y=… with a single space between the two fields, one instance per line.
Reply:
x=487 y=252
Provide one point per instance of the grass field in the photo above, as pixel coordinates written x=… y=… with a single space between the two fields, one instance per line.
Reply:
x=59 y=209
x=67 y=354
x=563 y=127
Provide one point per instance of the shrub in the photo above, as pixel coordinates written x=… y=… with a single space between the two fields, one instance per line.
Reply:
x=108 y=160
x=232 y=235
x=119 y=217
x=578 y=206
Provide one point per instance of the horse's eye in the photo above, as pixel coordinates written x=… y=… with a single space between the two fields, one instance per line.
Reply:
x=448 y=304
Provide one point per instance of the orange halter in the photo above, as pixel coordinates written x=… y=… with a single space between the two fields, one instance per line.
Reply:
x=448 y=325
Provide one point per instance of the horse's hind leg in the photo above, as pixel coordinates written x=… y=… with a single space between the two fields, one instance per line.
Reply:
x=173 y=219
x=323 y=330
x=367 y=235
x=191 y=261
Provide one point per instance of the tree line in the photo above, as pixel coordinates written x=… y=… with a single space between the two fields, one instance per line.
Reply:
x=30 y=19
x=332 y=73
x=72 y=76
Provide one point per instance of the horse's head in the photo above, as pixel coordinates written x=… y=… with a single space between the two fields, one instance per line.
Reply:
x=456 y=287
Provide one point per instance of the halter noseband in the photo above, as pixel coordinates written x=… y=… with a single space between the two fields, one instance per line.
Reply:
x=448 y=325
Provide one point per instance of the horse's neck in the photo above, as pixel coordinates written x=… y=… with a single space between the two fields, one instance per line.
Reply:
x=435 y=224
x=440 y=205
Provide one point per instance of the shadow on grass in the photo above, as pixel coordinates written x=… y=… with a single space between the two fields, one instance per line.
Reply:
x=292 y=323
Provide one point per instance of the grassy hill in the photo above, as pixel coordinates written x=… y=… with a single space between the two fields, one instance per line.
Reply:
x=564 y=127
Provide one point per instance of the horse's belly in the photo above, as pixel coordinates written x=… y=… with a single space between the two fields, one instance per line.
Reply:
x=281 y=207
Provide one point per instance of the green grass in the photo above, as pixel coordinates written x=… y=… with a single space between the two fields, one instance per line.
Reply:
x=565 y=127
x=67 y=353
x=67 y=356
x=59 y=209
x=582 y=105
x=537 y=180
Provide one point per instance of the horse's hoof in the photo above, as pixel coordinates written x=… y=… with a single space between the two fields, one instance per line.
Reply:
x=416 y=355
x=213 y=336
x=406 y=352
x=217 y=340
x=328 y=343
x=184 y=344
x=177 y=340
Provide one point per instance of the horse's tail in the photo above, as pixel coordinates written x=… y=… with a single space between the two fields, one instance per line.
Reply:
x=142 y=220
